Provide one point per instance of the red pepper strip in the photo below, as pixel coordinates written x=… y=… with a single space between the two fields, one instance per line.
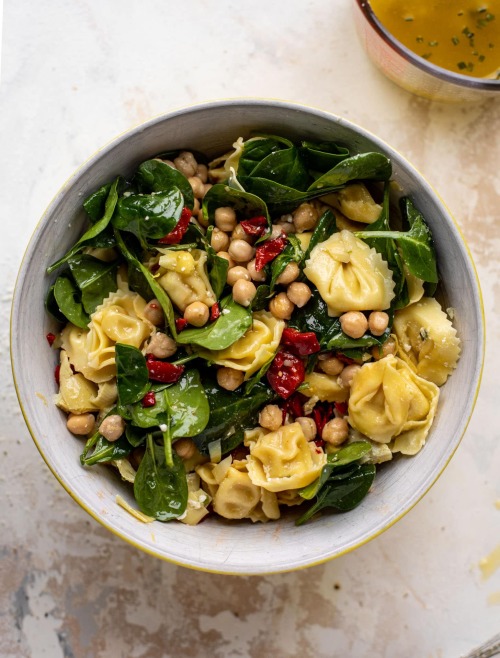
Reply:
x=180 y=324
x=149 y=400
x=286 y=373
x=322 y=413
x=319 y=444
x=50 y=339
x=161 y=371
x=341 y=408
x=214 y=312
x=294 y=406
x=344 y=359
x=176 y=235
x=301 y=344
x=268 y=251
x=256 y=226
x=57 y=371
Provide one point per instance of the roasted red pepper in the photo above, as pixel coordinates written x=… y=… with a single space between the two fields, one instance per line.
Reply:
x=345 y=359
x=341 y=408
x=161 y=371
x=149 y=400
x=214 y=312
x=294 y=406
x=268 y=251
x=57 y=372
x=181 y=324
x=322 y=413
x=256 y=226
x=176 y=235
x=286 y=373
x=50 y=339
x=300 y=343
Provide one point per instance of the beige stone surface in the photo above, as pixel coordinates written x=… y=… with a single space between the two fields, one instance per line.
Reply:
x=74 y=74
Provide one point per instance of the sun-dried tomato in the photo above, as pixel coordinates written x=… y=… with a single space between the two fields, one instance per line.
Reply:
x=149 y=400
x=57 y=373
x=294 y=406
x=176 y=235
x=161 y=371
x=256 y=226
x=268 y=251
x=214 y=311
x=286 y=374
x=341 y=408
x=50 y=338
x=181 y=324
x=300 y=343
x=322 y=413
x=345 y=359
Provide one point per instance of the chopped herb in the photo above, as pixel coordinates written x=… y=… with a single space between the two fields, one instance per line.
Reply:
x=455 y=41
x=481 y=58
x=433 y=43
x=470 y=67
x=420 y=39
x=491 y=45
x=424 y=334
x=427 y=55
x=460 y=13
x=408 y=19
x=462 y=65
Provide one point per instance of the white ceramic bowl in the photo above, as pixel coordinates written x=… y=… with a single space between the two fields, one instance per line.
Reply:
x=216 y=545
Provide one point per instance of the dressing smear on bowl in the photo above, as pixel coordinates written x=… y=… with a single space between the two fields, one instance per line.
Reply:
x=462 y=36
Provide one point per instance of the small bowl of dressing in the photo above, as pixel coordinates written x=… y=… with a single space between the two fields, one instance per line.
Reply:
x=444 y=50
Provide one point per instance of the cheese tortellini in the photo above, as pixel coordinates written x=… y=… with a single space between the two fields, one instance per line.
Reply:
x=284 y=459
x=390 y=402
x=76 y=394
x=356 y=203
x=349 y=275
x=183 y=275
x=250 y=352
x=427 y=340
x=324 y=388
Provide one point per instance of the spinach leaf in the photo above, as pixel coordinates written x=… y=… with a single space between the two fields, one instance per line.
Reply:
x=277 y=197
x=232 y=323
x=416 y=245
x=188 y=405
x=157 y=176
x=322 y=156
x=284 y=166
x=146 y=417
x=255 y=379
x=132 y=377
x=325 y=228
x=343 y=457
x=149 y=216
x=336 y=339
x=245 y=205
x=95 y=278
x=217 y=266
x=261 y=299
x=256 y=149
x=135 y=435
x=104 y=450
x=51 y=305
x=230 y=411
x=342 y=494
x=160 y=491
x=94 y=204
x=364 y=166
x=94 y=230
x=67 y=297
x=291 y=253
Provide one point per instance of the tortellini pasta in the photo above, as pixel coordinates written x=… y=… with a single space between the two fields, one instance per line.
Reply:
x=427 y=340
x=183 y=276
x=250 y=352
x=76 y=394
x=389 y=401
x=356 y=203
x=197 y=503
x=324 y=387
x=349 y=275
x=284 y=459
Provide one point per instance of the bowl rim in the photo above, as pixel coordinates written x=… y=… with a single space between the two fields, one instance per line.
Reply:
x=200 y=107
x=458 y=79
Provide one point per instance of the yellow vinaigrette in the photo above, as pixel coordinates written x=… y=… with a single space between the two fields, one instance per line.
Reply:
x=462 y=36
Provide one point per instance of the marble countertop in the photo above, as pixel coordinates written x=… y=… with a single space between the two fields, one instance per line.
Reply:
x=74 y=75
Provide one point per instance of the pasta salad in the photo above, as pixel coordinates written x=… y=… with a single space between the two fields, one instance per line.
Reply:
x=250 y=334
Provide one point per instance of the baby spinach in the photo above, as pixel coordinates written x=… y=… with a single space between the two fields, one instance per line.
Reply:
x=132 y=377
x=284 y=166
x=290 y=254
x=95 y=229
x=416 y=246
x=232 y=323
x=364 y=166
x=245 y=205
x=342 y=493
x=324 y=229
x=157 y=176
x=95 y=279
x=149 y=216
x=261 y=299
x=68 y=300
x=337 y=340
x=188 y=405
x=94 y=204
x=258 y=148
x=104 y=450
x=217 y=266
x=51 y=305
x=147 y=417
x=160 y=491
x=322 y=156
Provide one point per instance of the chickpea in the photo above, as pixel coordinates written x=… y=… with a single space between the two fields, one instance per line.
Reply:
x=335 y=431
x=255 y=276
x=348 y=373
x=229 y=378
x=197 y=314
x=80 y=424
x=308 y=427
x=281 y=307
x=271 y=417
x=277 y=231
x=331 y=366
x=226 y=256
x=244 y=292
x=299 y=293
x=305 y=217
x=378 y=321
x=219 y=240
x=389 y=347
x=202 y=220
x=354 y=324
x=154 y=312
x=185 y=448
x=225 y=218
x=239 y=234
x=289 y=274
x=112 y=427
x=161 y=346
x=202 y=172
x=236 y=273
x=206 y=187
x=240 y=251
x=185 y=162
x=196 y=207
x=197 y=186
